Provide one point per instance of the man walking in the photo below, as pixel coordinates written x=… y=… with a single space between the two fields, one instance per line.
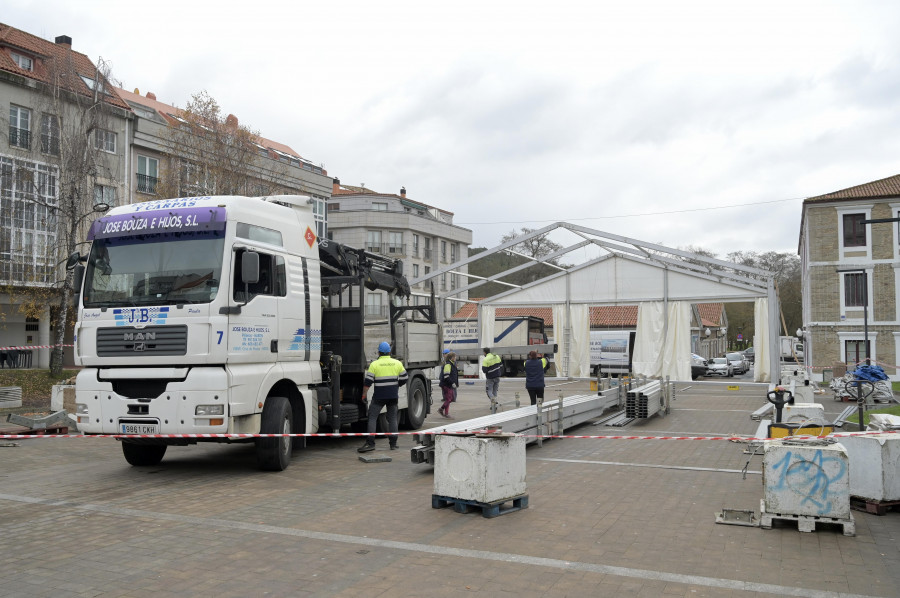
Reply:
x=491 y=366
x=387 y=375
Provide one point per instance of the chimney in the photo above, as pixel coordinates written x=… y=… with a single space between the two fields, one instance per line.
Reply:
x=64 y=40
x=151 y=95
x=231 y=121
x=402 y=191
x=335 y=185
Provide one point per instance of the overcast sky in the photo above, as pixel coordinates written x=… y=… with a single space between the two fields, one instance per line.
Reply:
x=650 y=119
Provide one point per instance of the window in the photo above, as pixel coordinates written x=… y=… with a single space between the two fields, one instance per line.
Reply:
x=415 y=270
x=444 y=251
x=271 y=281
x=427 y=270
x=334 y=207
x=454 y=251
x=19 y=127
x=23 y=62
x=427 y=251
x=92 y=84
x=379 y=206
x=854 y=230
x=105 y=140
x=258 y=233
x=105 y=194
x=395 y=240
x=147 y=174
x=855 y=289
x=856 y=351
x=444 y=281
x=415 y=245
x=373 y=241
x=50 y=134
x=319 y=207
x=28 y=200
x=32 y=324
x=373 y=304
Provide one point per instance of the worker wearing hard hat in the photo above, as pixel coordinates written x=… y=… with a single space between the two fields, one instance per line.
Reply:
x=387 y=375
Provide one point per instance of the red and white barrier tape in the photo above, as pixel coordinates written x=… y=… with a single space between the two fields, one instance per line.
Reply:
x=464 y=432
x=28 y=347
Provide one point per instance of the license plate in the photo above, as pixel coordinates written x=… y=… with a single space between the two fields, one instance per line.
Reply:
x=140 y=428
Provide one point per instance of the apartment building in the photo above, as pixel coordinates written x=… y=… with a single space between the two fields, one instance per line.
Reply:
x=851 y=281
x=422 y=236
x=64 y=153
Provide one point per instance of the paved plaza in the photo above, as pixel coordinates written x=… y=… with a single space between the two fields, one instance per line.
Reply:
x=605 y=518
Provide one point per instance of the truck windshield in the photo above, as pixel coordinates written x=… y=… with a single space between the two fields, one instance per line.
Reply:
x=161 y=269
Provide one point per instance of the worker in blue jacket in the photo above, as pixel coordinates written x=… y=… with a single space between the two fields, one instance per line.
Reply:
x=387 y=375
x=535 y=367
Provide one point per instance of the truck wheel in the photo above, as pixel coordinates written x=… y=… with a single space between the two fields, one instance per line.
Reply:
x=274 y=454
x=417 y=405
x=142 y=455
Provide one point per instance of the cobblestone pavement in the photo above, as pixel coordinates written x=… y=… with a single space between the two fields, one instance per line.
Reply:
x=606 y=518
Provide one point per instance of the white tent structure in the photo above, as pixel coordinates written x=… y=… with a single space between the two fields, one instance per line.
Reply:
x=663 y=283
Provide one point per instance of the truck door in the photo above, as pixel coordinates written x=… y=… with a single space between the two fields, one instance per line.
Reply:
x=251 y=332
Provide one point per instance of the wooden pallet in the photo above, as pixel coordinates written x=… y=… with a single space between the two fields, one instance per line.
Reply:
x=490 y=509
x=876 y=507
x=805 y=523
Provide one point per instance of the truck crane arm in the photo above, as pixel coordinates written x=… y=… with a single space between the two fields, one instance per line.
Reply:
x=378 y=273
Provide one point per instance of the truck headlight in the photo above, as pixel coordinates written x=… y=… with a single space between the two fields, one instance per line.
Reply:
x=210 y=410
x=81 y=408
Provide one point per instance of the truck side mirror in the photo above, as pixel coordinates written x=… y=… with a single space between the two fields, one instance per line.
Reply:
x=250 y=267
x=77 y=278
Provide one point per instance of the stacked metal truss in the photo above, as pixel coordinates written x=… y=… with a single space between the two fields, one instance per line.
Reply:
x=643 y=402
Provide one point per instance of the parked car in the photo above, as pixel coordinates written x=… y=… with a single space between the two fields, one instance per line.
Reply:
x=738 y=362
x=698 y=366
x=719 y=366
x=750 y=354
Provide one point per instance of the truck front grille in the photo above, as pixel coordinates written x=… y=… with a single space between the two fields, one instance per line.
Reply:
x=133 y=342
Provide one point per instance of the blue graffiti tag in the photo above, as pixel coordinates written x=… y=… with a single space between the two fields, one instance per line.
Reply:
x=809 y=479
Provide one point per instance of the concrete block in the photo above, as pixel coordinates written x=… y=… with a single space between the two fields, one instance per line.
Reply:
x=806 y=477
x=874 y=466
x=479 y=468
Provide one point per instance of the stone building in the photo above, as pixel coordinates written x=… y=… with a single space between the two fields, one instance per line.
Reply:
x=851 y=281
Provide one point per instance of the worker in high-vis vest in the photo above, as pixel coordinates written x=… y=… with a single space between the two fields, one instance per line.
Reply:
x=492 y=367
x=387 y=375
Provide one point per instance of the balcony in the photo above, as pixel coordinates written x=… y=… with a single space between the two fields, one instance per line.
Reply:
x=376 y=311
x=19 y=138
x=50 y=144
x=147 y=183
x=389 y=249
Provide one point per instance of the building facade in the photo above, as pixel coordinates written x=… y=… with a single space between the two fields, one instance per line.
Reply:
x=851 y=281
x=393 y=225
x=65 y=128
x=160 y=166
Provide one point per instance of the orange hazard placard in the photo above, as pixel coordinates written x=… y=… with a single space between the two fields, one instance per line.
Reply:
x=310 y=237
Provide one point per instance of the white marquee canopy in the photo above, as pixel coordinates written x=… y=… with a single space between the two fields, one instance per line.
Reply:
x=663 y=282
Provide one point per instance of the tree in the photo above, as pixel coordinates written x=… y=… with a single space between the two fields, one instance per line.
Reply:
x=537 y=247
x=214 y=154
x=788 y=280
x=785 y=266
